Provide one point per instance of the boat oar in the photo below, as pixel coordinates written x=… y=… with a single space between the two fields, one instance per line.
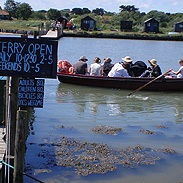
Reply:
x=141 y=87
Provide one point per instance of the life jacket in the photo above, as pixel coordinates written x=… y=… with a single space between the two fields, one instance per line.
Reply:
x=65 y=67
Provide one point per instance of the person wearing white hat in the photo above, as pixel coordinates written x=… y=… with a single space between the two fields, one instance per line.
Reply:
x=81 y=67
x=128 y=60
x=120 y=69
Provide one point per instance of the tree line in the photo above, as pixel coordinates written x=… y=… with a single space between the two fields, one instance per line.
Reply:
x=105 y=20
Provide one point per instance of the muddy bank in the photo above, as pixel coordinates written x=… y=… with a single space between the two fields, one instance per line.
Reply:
x=136 y=36
x=85 y=158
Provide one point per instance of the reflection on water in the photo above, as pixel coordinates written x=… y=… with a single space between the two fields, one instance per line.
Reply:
x=178 y=111
x=117 y=103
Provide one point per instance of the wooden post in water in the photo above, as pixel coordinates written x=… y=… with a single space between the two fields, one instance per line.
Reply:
x=10 y=119
x=20 y=146
x=13 y=108
x=7 y=124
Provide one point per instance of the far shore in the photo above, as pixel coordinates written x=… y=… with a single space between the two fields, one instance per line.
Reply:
x=138 y=36
x=114 y=35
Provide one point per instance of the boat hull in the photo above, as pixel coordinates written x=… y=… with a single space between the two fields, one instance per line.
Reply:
x=161 y=84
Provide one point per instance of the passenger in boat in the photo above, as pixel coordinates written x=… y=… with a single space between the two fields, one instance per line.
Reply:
x=120 y=70
x=179 y=73
x=153 y=70
x=130 y=64
x=106 y=66
x=95 y=69
x=81 y=67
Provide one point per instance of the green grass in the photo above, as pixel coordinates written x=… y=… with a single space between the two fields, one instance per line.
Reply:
x=20 y=25
x=34 y=25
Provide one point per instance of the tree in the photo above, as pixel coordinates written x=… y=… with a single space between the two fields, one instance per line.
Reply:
x=24 y=11
x=99 y=11
x=11 y=7
x=128 y=8
x=38 y=15
x=42 y=11
x=53 y=14
x=158 y=15
x=124 y=15
x=86 y=11
x=77 y=11
x=80 y=11
x=65 y=12
x=177 y=17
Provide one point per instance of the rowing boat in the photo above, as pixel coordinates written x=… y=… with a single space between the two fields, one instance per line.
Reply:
x=132 y=83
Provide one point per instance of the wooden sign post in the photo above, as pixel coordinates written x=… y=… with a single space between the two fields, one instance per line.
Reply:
x=20 y=146
x=25 y=58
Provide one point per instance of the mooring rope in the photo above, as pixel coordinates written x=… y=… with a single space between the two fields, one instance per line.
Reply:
x=3 y=162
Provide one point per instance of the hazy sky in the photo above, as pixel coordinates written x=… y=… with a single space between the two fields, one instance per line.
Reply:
x=167 y=6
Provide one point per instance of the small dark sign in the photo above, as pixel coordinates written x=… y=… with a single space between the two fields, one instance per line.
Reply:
x=28 y=57
x=31 y=93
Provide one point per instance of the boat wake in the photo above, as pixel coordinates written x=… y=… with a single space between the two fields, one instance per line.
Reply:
x=139 y=97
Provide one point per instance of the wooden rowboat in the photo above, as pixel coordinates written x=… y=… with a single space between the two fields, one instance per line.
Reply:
x=132 y=83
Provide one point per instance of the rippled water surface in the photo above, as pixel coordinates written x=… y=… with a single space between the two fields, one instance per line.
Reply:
x=151 y=120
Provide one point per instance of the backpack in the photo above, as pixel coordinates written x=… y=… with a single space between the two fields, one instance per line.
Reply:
x=138 y=68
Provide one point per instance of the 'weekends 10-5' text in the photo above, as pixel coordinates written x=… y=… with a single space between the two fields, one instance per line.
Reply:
x=23 y=57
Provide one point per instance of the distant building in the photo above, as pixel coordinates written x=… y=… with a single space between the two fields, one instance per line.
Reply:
x=126 y=25
x=179 y=27
x=88 y=23
x=151 y=25
x=4 y=15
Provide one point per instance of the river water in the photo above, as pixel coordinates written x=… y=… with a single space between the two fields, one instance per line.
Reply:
x=150 y=120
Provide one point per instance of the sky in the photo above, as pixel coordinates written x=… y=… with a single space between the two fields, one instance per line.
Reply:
x=167 y=6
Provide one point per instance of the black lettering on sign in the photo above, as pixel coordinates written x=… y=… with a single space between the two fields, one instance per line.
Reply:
x=27 y=57
x=31 y=93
